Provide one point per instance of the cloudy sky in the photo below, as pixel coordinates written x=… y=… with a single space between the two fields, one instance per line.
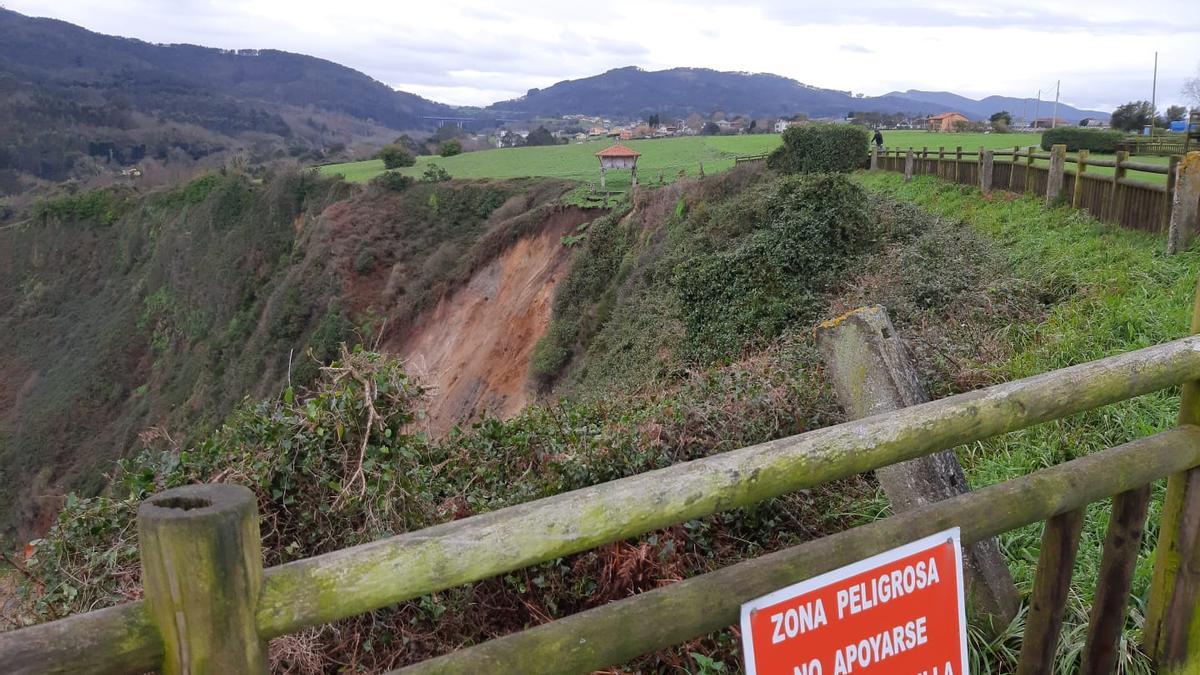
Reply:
x=478 y=52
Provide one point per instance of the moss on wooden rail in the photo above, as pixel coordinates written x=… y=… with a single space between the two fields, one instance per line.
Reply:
x=622 y=630
x=352 y=581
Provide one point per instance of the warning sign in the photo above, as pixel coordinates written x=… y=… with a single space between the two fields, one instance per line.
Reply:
x=900 y=613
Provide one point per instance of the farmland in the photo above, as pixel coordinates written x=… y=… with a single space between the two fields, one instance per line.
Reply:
x=666 y=156
x=669 y=156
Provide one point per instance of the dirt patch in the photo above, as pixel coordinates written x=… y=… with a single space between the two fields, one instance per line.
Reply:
x=473 y=347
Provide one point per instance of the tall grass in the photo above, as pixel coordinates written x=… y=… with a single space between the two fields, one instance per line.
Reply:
x=1117 y=292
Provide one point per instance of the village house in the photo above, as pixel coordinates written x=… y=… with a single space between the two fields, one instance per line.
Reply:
x=944 y=121
x=1049 y=122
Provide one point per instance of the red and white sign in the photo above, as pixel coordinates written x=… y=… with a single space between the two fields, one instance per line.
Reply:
x=897 y=613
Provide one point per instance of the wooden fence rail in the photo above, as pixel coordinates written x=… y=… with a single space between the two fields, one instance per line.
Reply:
x=1118 y=199
x=200 y=534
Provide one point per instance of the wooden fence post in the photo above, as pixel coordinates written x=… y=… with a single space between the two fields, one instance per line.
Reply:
x=1012 y=170
x=986 y=163
x=941 y=167
x=874 y=157
x=202 y=572
x=1051 y=586
x=1169 y=202
x=1112 y=210
x=1172 y=615
x=958 y=164
x=908 y=166
x=1183 y=203
x=1054 y=181
x=1080 y=169
x=1029 y=169
x=871 y=373
x=1121 y=545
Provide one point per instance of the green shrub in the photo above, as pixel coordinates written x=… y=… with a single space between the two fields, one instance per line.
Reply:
x=813 y=226
x=820 y=147
x=395 y=157
x=98 y=207
x=435 y=174
x=1080 y=138
x=393 y=181
x=450 y=148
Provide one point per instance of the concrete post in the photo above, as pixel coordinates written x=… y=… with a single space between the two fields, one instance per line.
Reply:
x=202 y=572
x=986 y=164
x=908 y=165
x=1184 y=206
x=874 y=157
x=1054 y=182
x=871 y=374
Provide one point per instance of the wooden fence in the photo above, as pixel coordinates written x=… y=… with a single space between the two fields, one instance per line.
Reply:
x=209 y=606
x=1115 y=198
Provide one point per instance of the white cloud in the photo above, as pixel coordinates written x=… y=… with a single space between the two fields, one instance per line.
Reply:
x=466 y=52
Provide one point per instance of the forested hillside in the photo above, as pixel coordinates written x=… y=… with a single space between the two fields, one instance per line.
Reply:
x=71 y=100
x=631 y=92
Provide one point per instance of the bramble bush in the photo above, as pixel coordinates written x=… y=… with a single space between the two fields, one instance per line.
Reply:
x=820 y=147
x=812 y=227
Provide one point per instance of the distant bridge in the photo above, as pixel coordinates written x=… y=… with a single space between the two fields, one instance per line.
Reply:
x=461 y=122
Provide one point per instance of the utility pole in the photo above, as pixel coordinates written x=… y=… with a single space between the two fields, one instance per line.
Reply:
x=1154 y=93
x=1054 y=117
x=1037 y=107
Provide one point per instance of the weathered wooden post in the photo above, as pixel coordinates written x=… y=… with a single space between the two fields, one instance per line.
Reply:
x=202 y=571
x=872 y=373
x=941 y=166
x=908 y=165
x=1112 y=210
x=1183 y=202
x=1029 y=169
x=1012 y=170
x=1169 y=201
x=874 y=157
x=1172 y=632
x=958 y=164
x=986 y=164
x=1080 y=170
x=1054 y=181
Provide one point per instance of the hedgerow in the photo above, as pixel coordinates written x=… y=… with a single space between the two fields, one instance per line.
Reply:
x=1082 y=138
x=820 y=147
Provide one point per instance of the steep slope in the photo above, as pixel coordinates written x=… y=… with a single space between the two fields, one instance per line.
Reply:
x=126 y=314
x=473 y=349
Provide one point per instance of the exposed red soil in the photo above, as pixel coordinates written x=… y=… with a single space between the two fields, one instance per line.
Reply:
x=473 y=348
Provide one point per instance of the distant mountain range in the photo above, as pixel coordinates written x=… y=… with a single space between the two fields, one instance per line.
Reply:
x=678 y=92
x=79 y=104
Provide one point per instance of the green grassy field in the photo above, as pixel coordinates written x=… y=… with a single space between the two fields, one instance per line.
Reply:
x=576 y=161
x=669 y=156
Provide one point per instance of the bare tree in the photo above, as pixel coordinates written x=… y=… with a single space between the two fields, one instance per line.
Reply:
x=1191 y=88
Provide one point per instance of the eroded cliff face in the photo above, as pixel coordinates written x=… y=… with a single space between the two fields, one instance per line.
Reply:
x=126 y=313
x=473 y=348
